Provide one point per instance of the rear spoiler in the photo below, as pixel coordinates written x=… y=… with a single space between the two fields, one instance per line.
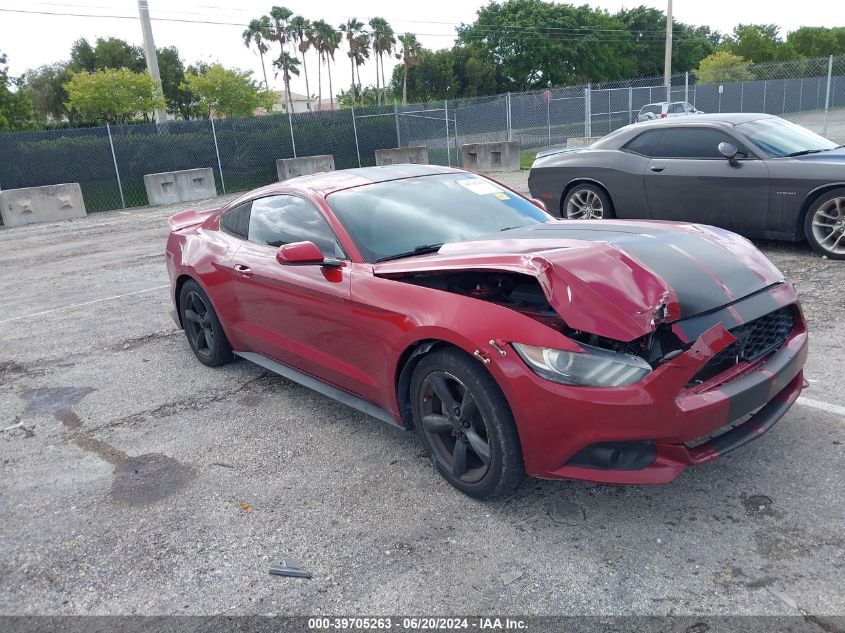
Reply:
x=185 y=219
x=558 y=150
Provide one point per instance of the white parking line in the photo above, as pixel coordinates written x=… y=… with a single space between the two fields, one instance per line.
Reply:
x=84 y=303
x=821 y=405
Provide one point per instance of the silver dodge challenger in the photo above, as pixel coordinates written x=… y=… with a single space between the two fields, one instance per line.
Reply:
x=756 y=174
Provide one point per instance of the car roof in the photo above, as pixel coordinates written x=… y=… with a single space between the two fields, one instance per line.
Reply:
x=328 y=182
x=727 y=118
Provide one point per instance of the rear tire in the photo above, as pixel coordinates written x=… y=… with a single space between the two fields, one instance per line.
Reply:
x=824 y=224
x=202 y=327
x=587 y=202
x=466 y=425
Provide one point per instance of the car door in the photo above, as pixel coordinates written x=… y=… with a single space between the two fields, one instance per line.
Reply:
x=688 y=179
x=294 y=313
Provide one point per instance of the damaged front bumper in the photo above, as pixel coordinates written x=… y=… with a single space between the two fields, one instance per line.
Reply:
x=650 y=432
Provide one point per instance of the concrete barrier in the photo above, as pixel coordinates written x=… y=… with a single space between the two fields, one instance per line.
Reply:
x=169 y=187
x=581 y=141
x=500 y=156
x=50 y=203
x=401 y=155
x=292 y=167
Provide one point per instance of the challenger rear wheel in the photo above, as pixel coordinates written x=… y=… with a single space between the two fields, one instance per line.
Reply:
x=202 y=327
x=466 y=425
x=824 y=225
x=587 y=202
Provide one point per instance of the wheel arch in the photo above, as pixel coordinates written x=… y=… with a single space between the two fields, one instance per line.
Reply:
x=181 y=280
x=580 y=181
x=809 y=200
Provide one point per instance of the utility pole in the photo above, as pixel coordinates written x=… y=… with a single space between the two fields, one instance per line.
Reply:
x=667 y=59
x=150 y=54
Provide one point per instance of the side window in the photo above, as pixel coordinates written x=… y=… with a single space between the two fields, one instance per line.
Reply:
x=236 y=221
x=676 y=108
x=279 y=220
x=644 y=143
x=688 y=108
x=693 y=143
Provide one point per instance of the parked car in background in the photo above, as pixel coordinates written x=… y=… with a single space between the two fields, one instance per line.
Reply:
x=664 y=110
x=756 y=174
x=434 y=298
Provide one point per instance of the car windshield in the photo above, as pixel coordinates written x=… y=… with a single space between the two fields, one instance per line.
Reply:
x=401 y=218
x=782 y=138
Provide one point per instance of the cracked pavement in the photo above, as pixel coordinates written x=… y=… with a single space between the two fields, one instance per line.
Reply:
x=136 y=480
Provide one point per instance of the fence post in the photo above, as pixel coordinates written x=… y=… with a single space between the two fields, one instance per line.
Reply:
x=686 y=87
x=457 y=147
x=396 y=116
x=355 y=131
x=827 y=94
x=549 y=117
x=446 y=116
x=742 y=96
x=116 y=170
x=630 y=104
x=508 y=114
x=290 y=123
x=217 y=151
x=588 y=113
x=765 y=84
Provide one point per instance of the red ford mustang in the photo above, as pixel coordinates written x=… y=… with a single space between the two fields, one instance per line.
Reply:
x=514 y=343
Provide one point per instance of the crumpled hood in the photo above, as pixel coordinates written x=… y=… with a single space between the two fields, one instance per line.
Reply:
x=613 y=278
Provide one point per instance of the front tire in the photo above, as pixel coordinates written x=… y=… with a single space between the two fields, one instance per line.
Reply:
x=202 y=327
x=466 y=425
x=824 y=224
x=587 y=202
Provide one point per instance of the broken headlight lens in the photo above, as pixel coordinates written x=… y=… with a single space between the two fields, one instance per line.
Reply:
x=595 y=367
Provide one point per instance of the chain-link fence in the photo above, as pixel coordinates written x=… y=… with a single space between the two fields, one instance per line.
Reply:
x=109 y=162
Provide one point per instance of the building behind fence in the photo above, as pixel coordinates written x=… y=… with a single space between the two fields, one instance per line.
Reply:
x=110 y=162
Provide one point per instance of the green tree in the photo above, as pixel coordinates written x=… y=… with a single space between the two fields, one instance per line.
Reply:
x=757 y=43
x=358 y=44
x=112 y=95
x=45 y=88
x=111 y=52
x=816 y=41
x=411 y=49
x=227 y=92
x=172 y=70
x=16 y=111
x=538 y=44
x=723 y=66
x=258 y=33
x=383 y=41
x=446 y=74
x=647 y=26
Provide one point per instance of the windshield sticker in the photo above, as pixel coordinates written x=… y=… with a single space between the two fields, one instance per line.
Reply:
x=478 y=186
x=501 y=196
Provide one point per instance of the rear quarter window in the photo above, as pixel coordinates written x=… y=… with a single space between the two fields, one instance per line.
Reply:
x=644 y=144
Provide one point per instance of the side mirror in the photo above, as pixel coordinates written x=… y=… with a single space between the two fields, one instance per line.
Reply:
x=729 y=151
x=299 y=253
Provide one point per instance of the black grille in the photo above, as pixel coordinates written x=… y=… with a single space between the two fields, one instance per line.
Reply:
x=754 y=340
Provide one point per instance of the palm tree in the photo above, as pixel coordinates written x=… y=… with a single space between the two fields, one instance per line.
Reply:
x=256 y=33
x=361 y=50
x=354 y=29
x=332 y=44
x=411 y=49
x=280 y=32
x=383 y=43
x=300 y=32
x=289 y=65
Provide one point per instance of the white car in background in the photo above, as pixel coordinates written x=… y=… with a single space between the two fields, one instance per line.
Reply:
x=664 y=110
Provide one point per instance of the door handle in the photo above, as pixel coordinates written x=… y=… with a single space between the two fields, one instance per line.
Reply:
x=243 y=270
x=658 y=168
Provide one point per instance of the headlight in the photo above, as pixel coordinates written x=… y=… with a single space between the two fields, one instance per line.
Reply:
x=594 y=367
